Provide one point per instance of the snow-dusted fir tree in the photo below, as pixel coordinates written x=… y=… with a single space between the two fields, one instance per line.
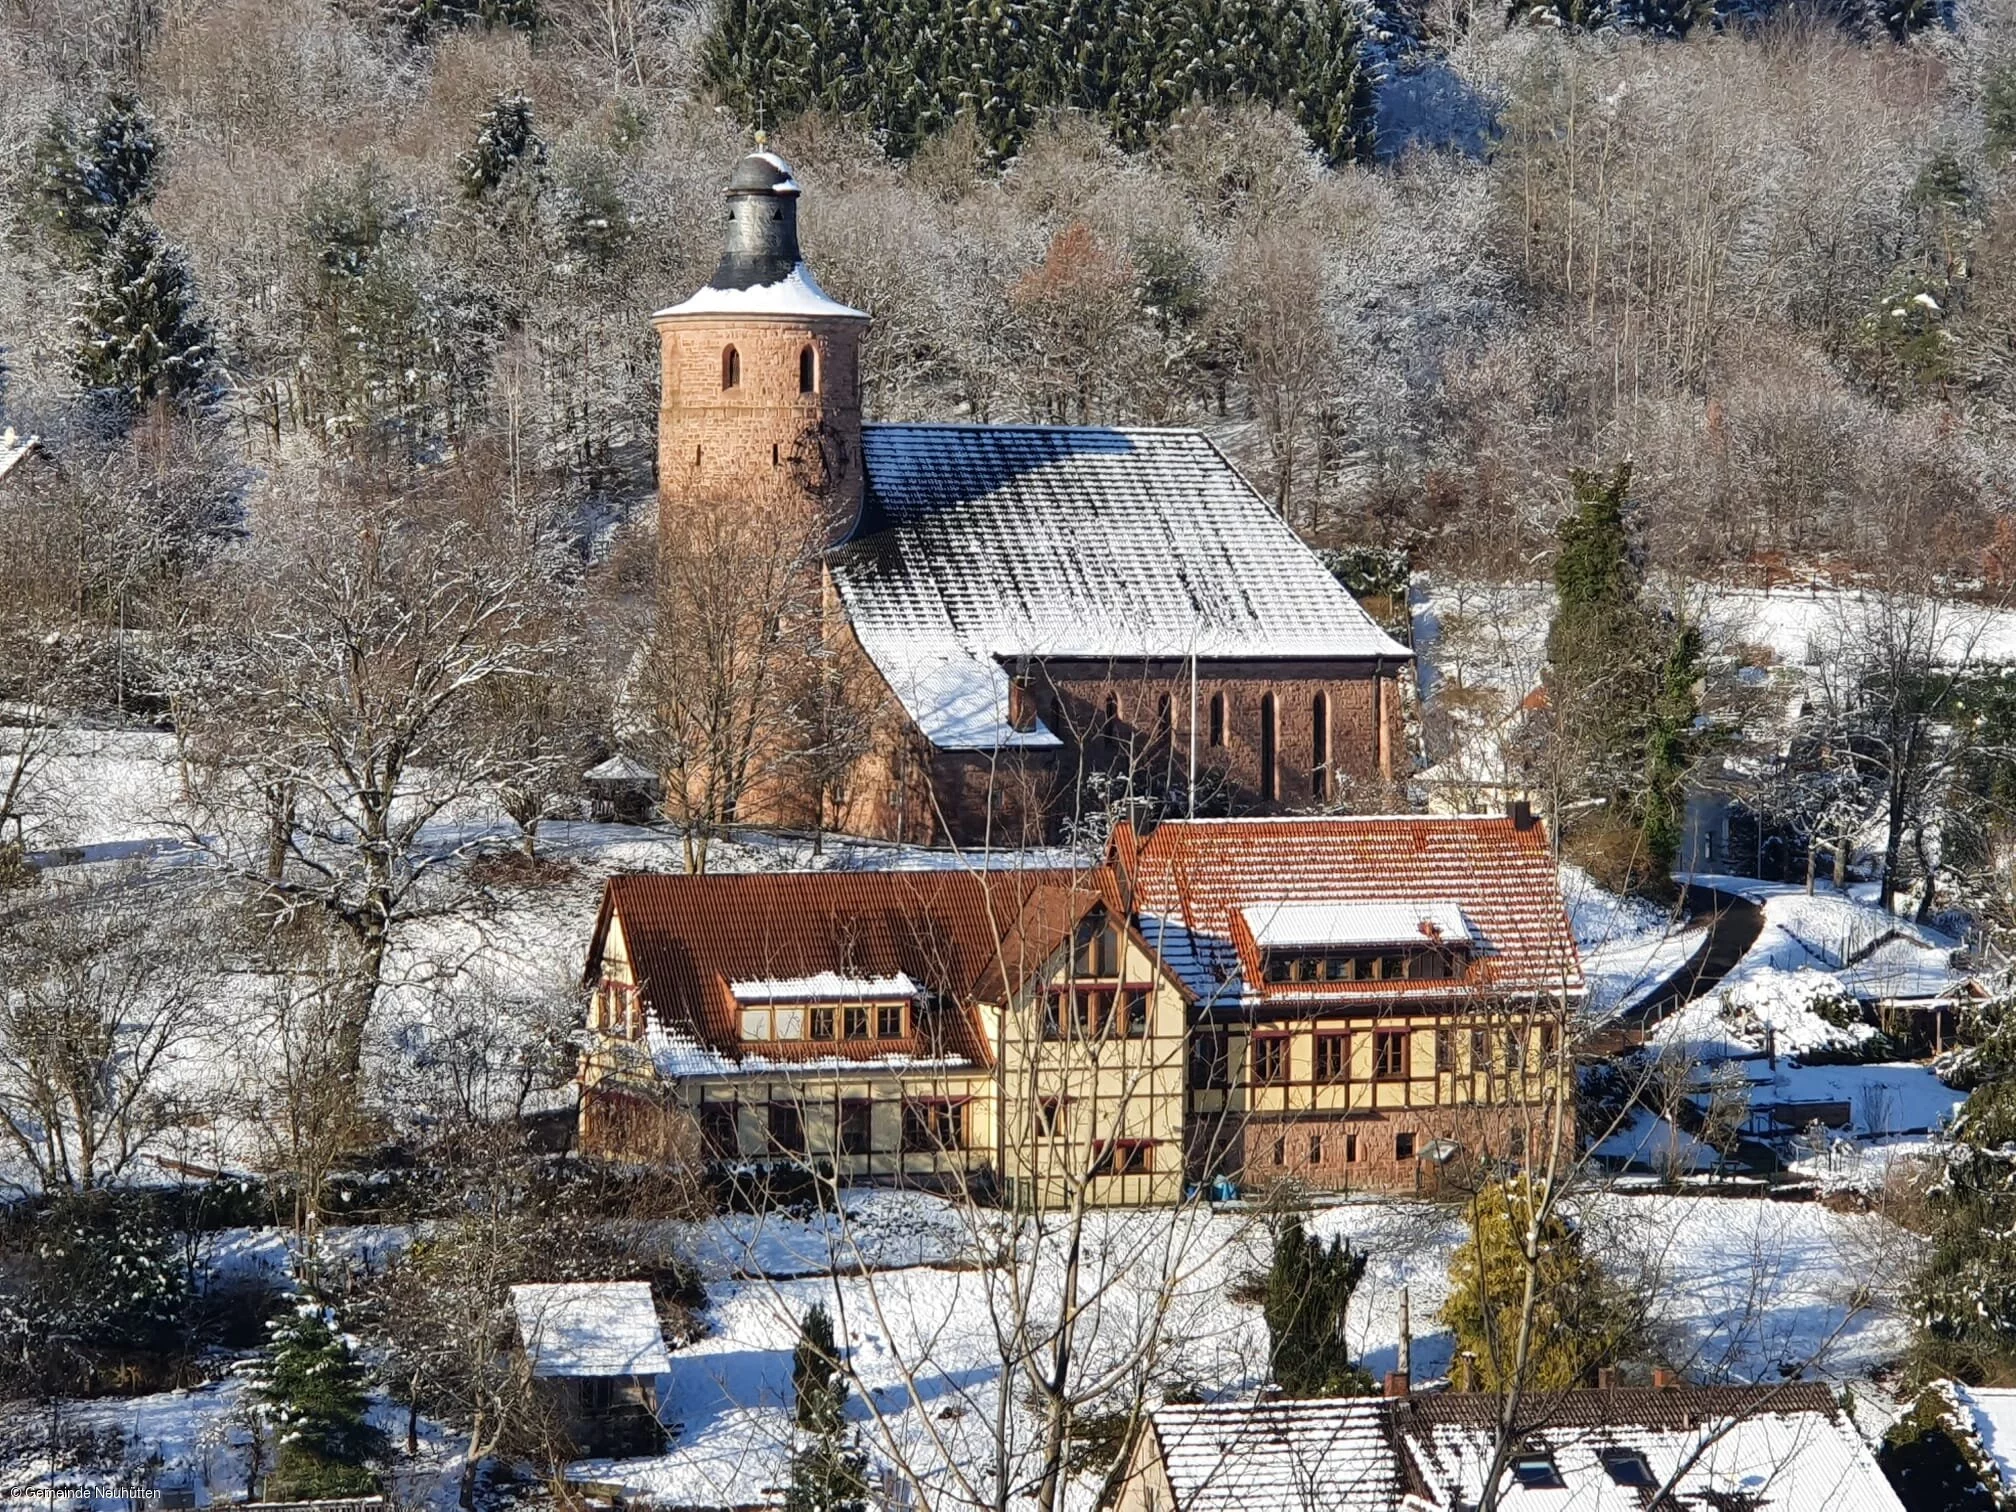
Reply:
x=88 y=175
x=140 y=336
x=505 y=141
x=829 y=1473
x=310 y=1390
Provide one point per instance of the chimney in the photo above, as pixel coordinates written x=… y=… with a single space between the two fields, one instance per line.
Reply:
x=1606 y=1378
x=1520 y=812
x=1397 y=1384
x=1664 y=1379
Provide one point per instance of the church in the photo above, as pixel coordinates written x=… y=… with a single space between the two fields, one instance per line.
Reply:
x=1050 y=621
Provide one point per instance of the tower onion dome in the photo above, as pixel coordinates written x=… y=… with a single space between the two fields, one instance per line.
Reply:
x=762 y=271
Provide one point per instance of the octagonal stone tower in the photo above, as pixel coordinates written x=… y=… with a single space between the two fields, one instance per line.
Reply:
x=760 y=372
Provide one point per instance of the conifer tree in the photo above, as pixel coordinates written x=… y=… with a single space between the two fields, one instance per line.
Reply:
x=311 y=1389
x=1579 y=1318
x=1309 y=1288
x=140 y=336
x=818 y=1388
x=1621 y=679
x=89 y=175
x=829 y=1473
x=1966 y=1293
x=505 y=141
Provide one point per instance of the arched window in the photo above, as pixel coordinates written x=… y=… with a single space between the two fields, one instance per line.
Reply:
x=1268 y=789
x=731 y=368
x=1217 y=719
x=808 y=370
x=1319 y=747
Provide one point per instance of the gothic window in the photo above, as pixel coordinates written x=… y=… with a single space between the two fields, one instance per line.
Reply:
x=1267 y=737
x=1319 y=747
x=731 y=368
x=808 y=371
x=1217 y=719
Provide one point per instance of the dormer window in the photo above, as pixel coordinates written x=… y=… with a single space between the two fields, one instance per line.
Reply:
x=1627 y=1467
x=808 y=370
x=1320 y=944
x=731 y=368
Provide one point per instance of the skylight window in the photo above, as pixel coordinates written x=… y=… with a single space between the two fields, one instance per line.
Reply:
x=1628 y=1467
x=1534 y=1469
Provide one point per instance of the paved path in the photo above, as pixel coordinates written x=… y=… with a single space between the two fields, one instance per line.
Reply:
x=1734 y=923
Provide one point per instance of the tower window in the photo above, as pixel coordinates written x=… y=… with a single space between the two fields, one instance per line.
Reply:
x=1267 y=760
x=1217 y=719
x=731 y=368
x=808 y=371
x=1319 y=747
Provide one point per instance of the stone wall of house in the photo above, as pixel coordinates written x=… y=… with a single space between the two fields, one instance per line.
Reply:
x=1384 y=1151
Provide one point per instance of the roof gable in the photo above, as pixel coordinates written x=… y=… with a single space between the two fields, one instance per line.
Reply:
x=989 y=542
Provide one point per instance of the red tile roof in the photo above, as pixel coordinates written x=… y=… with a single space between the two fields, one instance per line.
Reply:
x=961 y=934
x=1500 y=871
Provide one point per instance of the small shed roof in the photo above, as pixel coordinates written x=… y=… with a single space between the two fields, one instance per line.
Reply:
x=619 y=768
x=590 y=1328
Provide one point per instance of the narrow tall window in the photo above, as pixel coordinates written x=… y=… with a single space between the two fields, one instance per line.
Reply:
x=808 y=371
x=1267 y=784
x=1319 y=747
x=1217 y=719
x=731 y=368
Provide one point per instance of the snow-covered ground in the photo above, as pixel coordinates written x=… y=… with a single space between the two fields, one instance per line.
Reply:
x=1747 y=1289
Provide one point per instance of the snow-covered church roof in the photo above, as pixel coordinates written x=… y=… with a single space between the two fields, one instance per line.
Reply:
x=984 y=544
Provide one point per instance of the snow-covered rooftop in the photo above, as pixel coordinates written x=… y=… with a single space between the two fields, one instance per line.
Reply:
x=796 y=295
x=1267 y=1457
x=1278 y=925
x=590 y=1328
x=825 y=987
x=619 y=768
x=1778 y=1455
x=1992 y=1414
x=985 y=544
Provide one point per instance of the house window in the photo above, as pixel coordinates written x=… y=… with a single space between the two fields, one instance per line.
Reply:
x=854 y=1021
x=787 y=1129
x=1351 y=1149
x=1319 y=747
x=731 y=368
x=718 y=1134
x=1210 y=1065
x=889 y=1021
x=933 y=1124
x=1267 y=739
x=1315 y=1149
x=598 y=1394
x=1548 y=1041
x=1280 y=1152
x=1134 y=1013
x=1534 y=1469
x=808 y=370
x=1515 y=1049
x=1053 y=1015
x=1097 y=950
x=1124 y=1157
x=822 y=1023
x=1270 y=1059
x=1627 y=1467
x=1217 y=719
x=1333 y=1057
x=1480 y=1050
x=1389 y=1054
x=857 y=1126
x=1403 y=1146
x=1049 y=1116
x=1445 y=1049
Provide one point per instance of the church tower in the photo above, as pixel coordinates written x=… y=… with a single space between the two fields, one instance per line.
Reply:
x=760 y=372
